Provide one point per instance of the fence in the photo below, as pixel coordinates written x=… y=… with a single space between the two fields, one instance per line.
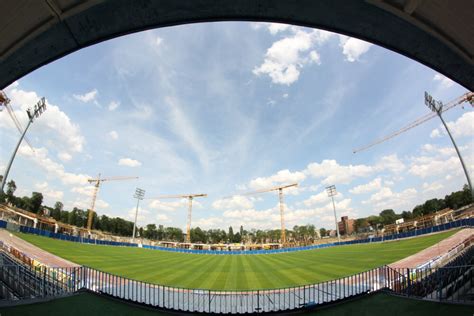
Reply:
x=447 y=283
x=456 y=224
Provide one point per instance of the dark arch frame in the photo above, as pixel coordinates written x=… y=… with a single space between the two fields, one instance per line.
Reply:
x=96 y=21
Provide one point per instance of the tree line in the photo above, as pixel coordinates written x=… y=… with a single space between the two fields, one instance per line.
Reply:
x=453 y=201
x=299 y=234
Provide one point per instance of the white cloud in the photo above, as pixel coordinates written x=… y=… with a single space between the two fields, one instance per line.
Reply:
x=462 y=127
x=286 y=57
x=332 y=172
x=169 y=206
x=373 y=185
x=53 y=124
x=429 y=166
x=281 y=177
x=444 y=82
x=54 y=169
x=386 y=198
x=391 y=163
x=114 y=135
x=353 y=48
x=49 y=193
x=234 y=202
x=321 y=197
x=274 y=28
x=87 y=190
x=113 y=105
x=183 y=127
x=433 y=187
x=158 y=41
x=129 y=162
x=285 y=95
x=86 y=97
x=64 y=156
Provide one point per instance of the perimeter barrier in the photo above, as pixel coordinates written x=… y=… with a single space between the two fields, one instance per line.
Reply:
x=436 y=283
x=466 y=222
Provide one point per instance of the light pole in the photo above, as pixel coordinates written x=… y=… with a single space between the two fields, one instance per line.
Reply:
x=437 y=107
x=331 y=190
x=139 y=195
x=37 y=110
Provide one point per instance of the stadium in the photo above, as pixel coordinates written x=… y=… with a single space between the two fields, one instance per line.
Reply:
x=76 y=246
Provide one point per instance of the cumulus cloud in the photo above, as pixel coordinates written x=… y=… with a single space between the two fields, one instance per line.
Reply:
x=169 y=206
x=444 y=82
x=386 y=198
x=113 y=135
x=332 y=172
x=286 y=57
x=353 y=48
x=41 y=158
x=432 y=187
x=281 y=177
x=113 y=105
x=373 y=185
x=129 y=162
x=86 y=97
x=64 y=156
x=462 y=127
x=234 y=202
x=54 y=124
x=321 y=197
x=49 y=193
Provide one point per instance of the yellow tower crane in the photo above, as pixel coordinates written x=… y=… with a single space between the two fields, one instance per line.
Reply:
x=280 y=189
x=97 y=182
x=190 y=198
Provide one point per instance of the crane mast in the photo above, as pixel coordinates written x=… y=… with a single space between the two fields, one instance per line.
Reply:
x=97 y=182
x=281 y=202
x=190 y=198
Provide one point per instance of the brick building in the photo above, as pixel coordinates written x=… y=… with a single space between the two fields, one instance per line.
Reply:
x=346 y=226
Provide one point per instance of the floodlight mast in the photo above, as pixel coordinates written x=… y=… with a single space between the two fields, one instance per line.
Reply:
x=139 y=195
x=38 y=109
x=331 y=190
x=437 y=107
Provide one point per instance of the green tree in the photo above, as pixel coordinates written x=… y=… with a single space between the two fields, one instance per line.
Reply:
x=36 y=202
x=323 y=232
x=388 y=217
x=57 y=209
x=230 y=235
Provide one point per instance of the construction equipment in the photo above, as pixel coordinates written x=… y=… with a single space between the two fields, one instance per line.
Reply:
x=5 y=101
x=282 y=205
x=190 y=198
x=97 y=183
x=467 y=97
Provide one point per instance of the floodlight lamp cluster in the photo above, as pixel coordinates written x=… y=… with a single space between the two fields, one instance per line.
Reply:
x=432 y=104
x=331 y=190
x=37 y=110
x=139 y=194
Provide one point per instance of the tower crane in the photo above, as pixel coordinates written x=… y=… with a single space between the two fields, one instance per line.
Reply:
x=280 y=189
x=97 y=182
x=190 y=198
x=467 y=97
x=5 y=101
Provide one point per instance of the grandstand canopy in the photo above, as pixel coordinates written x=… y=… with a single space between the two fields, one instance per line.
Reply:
x=436 y=33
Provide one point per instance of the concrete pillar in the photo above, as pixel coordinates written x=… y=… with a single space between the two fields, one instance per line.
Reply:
x=35 y=222
x=56 y=227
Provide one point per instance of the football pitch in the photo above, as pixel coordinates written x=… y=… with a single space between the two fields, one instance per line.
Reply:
x=235 y=272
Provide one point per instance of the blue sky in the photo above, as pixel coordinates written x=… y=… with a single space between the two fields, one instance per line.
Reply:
x=223 y=108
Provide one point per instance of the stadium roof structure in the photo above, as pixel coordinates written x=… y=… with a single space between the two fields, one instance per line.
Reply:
x=436 y=33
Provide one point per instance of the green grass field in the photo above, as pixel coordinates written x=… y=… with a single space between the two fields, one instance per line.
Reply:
x=236 y=272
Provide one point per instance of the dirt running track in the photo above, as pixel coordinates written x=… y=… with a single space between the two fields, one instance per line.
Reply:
x=34 y=252
x=436 y=250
